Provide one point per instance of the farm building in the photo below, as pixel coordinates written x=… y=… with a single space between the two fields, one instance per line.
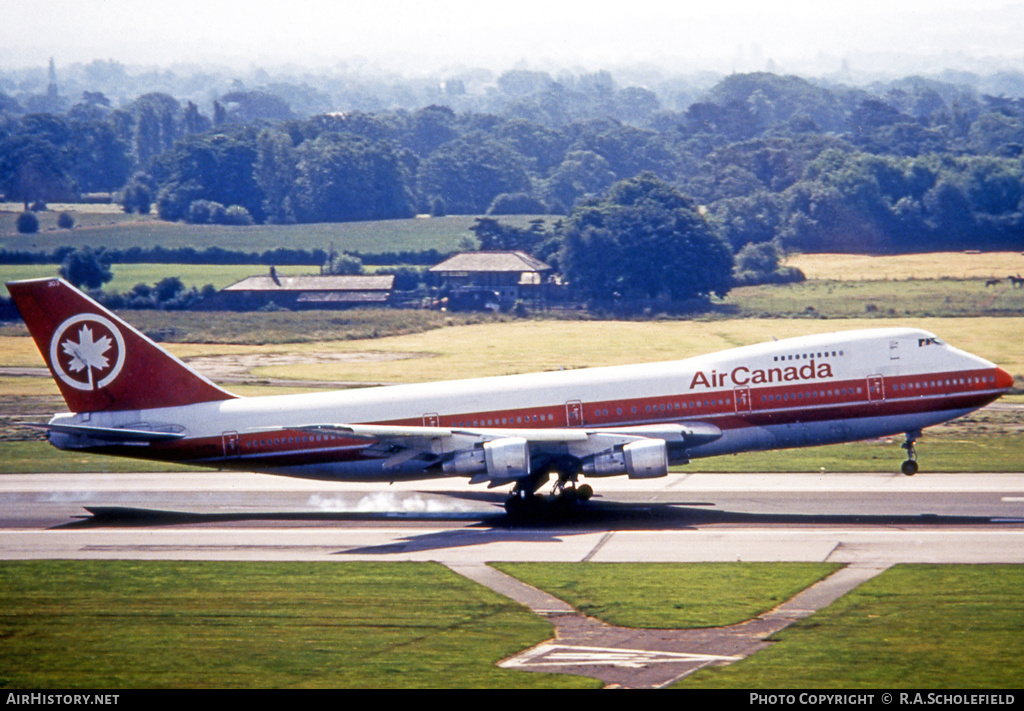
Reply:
x=513 y=276
x=302 y=292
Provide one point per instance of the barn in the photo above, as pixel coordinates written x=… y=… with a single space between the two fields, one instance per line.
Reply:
x=302 y=292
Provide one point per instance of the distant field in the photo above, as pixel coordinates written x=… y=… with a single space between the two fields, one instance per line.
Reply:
x=127 y=276
x=917 y=298
x=936 y=265
x=117 y=230
x=528 y=346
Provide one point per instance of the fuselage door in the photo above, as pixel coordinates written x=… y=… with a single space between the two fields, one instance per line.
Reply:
x=230 y=441
x=431 y=419
x=574 y=413
x=876 y=388
x=742 y=396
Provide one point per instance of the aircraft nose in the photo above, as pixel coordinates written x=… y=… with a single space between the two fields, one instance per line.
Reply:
x=1004 y=381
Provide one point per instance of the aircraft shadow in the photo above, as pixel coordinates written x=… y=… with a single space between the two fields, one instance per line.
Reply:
x=133 y=517
x=593 y=515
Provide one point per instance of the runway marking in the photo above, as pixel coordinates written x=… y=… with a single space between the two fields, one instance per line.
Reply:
x=562 y=655
x=1012 y=499
x=600 y=544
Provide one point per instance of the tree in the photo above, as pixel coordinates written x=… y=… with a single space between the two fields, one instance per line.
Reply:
x=87 y=268
x=254 y=106
x=28 y=223
x=343 y=264
x=216 y=167
x=496 y=236
x=342 y=178
x=32 y=168
x=101 y=160
x=137 y=196
x=581 y=173
x=516 y=204
x=470 y=172
x=274 y=171
x=761 y=263
x=645 y=241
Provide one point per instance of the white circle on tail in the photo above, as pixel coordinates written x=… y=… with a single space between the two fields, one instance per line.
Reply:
x=90 y=356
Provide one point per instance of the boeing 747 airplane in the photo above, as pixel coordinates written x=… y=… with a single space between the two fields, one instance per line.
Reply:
x=127 y=396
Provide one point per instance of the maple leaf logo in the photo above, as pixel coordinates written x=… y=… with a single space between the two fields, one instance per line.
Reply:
x=87 y=351
x=87 y=354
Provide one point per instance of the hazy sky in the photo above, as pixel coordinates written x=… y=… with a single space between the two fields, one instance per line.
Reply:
x=428 y=34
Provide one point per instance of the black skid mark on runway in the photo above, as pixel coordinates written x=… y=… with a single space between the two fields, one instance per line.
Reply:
x=125 y=516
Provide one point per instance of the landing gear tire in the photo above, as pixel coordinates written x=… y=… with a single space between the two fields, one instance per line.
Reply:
x=522 y=503
x=909 y=467
x=567 y=489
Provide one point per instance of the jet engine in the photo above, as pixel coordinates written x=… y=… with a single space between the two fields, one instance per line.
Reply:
x=644 y=459
x=501 y=460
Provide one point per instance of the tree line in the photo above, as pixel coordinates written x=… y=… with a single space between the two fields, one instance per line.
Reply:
x=916 y=164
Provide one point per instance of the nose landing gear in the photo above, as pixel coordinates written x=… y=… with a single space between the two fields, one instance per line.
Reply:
x=909 y=467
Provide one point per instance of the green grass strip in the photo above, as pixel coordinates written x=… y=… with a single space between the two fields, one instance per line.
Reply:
x=914 y=626
x=671 y=595
x=127 y=624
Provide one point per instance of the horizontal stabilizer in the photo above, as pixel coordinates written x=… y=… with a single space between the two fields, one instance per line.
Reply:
x=112 y=434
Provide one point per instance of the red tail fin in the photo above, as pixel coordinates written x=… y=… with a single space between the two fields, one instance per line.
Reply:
x=99 y=361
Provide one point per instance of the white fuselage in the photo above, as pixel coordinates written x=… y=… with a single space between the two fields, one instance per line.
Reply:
x=813 y=390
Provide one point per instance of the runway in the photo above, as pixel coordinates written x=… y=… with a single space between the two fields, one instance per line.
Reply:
x=867 y=522
x=864 y=518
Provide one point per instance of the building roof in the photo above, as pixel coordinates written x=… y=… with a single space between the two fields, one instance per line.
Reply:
x=491 y=262
x=267 y=283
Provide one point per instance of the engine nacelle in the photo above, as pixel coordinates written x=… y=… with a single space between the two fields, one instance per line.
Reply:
x=503 y=459
x=645 y=459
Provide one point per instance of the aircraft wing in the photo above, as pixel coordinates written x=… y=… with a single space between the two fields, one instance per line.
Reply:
x=500 y=455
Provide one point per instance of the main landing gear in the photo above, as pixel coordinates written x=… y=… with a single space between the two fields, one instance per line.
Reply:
x=524 y=502
x=909 y=467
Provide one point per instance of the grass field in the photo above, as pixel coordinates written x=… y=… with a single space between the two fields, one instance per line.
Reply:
x=116 y=230
x=127 y=625
x=127 y=276
x=913 y=627
x=932 y=265
x=671 y=595
x=919 y=298
x=526 y=346
x=164 y=624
